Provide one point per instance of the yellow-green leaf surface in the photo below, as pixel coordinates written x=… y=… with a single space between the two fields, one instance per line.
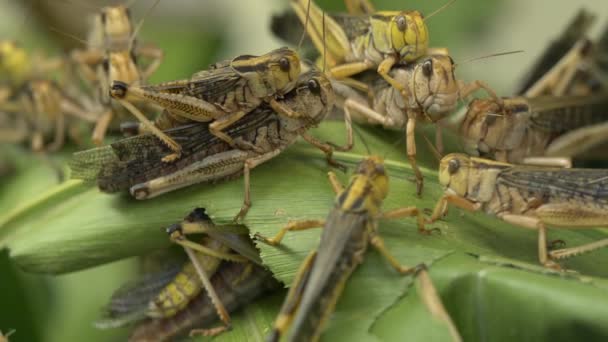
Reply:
x=486 y=270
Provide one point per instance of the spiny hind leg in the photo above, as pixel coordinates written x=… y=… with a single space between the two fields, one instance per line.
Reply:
x=177 y=236
x=565 y=253
x=248 y=166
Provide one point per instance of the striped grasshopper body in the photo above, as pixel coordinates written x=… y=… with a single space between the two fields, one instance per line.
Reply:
x=349 y=229
x=223 y=94
x=137 y=163
x=112 y=53
x=353 y=43
x=531 y=197
x=175 y=301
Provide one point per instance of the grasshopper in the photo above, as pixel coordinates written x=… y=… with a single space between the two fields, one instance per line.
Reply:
x=559 y=116
x=356 y=43
x=527 y=196
x=45 y=106
x=223 y=94
x=172 y=302
x=350 y=227
x=433 y=91
x=137 y=163
x=112 y=53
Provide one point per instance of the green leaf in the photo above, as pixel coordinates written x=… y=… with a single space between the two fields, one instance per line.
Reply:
x=479 y=264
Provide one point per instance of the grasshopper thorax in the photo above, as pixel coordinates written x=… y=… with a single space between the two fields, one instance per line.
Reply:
x=435 y=88
x=401 y=32
x=368 y=187
x=274 y=73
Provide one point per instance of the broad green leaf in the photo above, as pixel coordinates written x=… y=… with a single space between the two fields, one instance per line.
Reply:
x=75 y=226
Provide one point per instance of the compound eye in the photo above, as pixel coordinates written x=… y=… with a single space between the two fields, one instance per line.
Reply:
x=427 y=69
x=314 y=86
x=453 y=166
x=401 y=23
x=284 y=64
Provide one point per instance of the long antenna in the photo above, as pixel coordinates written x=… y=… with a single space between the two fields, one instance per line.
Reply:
x=490 y=56
x=324 y=41
x=69 y=35
x=141 y=23
x=305 y=26
x=439 y=9
x=360 y=135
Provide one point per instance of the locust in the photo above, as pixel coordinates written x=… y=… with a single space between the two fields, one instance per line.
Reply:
x=350 y=227
x=433 y=91
x=113 y=54
x=175 y=301
x=42 y=110
x=355 y=43
x=556 y=118
x=226 y=92
x=528 y=196
x=136 y=164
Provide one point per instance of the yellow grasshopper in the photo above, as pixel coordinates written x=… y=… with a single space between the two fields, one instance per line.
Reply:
x=355 y=43
x=351 y=226
x=224 y=272
x=527 y=196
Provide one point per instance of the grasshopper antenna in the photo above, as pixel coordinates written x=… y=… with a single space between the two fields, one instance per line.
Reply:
x=432 y=147
x=141 y=23
x=440 y=9
x=305 y=26
x=489 y=56
x=324 y=41
x=69 y=35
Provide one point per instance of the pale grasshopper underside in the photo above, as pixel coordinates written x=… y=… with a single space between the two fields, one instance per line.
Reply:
x=533 y=197
x=176 y=301
x=350 y=227
x=137 y=163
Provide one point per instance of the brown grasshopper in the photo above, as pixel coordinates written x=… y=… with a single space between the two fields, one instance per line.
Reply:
x=527 y=196
x=351 y=226
x=112 y=54
x=559 y=116
x=137 y=163
x=433 y=92
x=176 y=300
x=223 y=94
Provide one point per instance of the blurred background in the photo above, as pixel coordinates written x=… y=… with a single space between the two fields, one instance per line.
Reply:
x=195 y=33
